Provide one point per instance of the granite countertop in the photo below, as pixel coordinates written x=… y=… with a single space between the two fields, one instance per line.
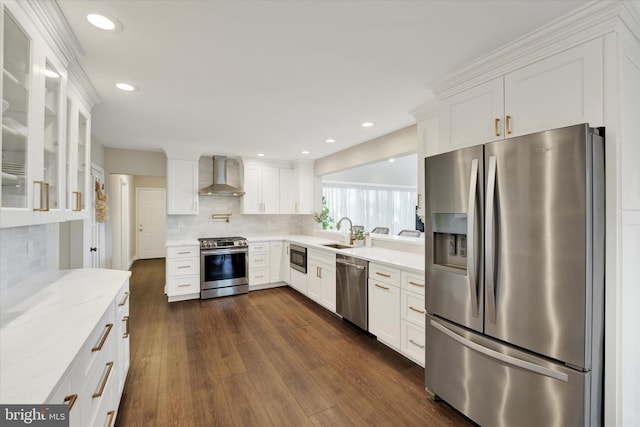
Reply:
x=44 y=322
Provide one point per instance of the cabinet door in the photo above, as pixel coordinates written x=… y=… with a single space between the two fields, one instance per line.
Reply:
x=299 y=281
x=384 y=312
x=275 y=262
x=182 y=187
x=270 y=190
x=286 y=268
x=79 y=194
x=562 y=90
x=328 y=294
x=303 y=181
x=252 y=199
x=469 y=118
x=287 y=199
x=314 y=282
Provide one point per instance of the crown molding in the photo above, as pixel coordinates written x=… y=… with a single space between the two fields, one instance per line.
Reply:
x=630 y=17
x=588 y=22
x=57 y=33
x=425 y=111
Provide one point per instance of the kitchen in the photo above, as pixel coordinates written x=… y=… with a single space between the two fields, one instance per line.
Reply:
x=614 y=108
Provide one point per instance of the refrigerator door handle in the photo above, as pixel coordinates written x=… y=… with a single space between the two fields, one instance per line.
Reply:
x=510 y=360
x=489 y=241
x=471 y=230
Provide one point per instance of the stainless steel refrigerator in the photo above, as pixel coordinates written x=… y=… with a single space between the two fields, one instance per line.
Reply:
x=515 y=279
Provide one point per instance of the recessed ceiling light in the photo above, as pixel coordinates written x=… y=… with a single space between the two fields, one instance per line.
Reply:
x=104 y=22
x=305 y=152
x=331 y=140
x=260 y=154
x=367 y=124
x=51 y=73
x=391 y=160
x=126 y=87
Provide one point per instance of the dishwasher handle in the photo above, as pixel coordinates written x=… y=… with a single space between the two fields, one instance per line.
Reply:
x=350 y=264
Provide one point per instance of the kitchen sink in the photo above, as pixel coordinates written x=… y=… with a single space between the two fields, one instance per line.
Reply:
x=337 y=246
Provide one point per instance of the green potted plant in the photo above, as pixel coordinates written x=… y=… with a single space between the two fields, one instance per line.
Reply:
x=323 y=217
x=358 y=235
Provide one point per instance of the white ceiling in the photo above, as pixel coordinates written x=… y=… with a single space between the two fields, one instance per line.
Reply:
x=280 y=77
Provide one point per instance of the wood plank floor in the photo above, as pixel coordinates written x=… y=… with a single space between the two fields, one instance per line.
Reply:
x=268 y=358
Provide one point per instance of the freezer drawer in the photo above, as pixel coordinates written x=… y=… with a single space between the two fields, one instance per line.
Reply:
x=498 y=385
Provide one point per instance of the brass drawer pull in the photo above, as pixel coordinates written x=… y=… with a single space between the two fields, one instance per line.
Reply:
x=125 y=319
x=111 y=414
x=416 y=284
x=184 y=285
x=104 y=338
x=508 y=119
x=104 y=381
x=78 y=197
x=184 y=252
x=184 y=266
x=417 y=310
x=44 y=189
x=382 y=274
x=71 y=399
x=124 y=300
x=416 y=344
x=381 y=287
x=495 y=126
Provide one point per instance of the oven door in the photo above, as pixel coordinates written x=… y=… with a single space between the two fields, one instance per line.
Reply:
x=220 y=268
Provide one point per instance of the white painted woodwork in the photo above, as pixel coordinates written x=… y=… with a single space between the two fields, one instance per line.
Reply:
x=384 y=312
x=287 y=199
x=413 y=342
x=182 y=187
x=270 y=190
x=259 y=264
x=183 y=273
x=303 y=188
x=97 y=236
x=275 y=262
x=151 y=222
x=262 y=189
x=412 y=308
x=412 y=282
x=286 y=267
x=298 y=281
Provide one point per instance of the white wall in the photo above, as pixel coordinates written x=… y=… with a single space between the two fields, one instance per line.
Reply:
x=121 y=198
x=97 y=152
x=135 y=162
x=23 y=252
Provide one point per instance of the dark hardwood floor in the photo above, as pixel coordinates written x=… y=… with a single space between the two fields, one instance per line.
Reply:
x=268 y=358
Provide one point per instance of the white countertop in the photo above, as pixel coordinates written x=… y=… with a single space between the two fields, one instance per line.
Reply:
x=44 y=323
x=179 y=243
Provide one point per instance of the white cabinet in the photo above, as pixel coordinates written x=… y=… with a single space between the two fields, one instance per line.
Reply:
x=303 y=190
x=287 y=197
x=182 y=187
x=183 y=272
x=275 y=262
x=384 y=304
x=262 y=189
x=321 y=278
x=286 y=269
x=259 y=264
x=561 y=90
x=413 y=316
x=298 y=281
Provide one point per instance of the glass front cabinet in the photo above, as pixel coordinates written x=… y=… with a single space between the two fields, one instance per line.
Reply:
x=45 y=130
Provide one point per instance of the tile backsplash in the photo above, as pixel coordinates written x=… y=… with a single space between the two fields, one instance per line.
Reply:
x=201 y=225
x=23 y=251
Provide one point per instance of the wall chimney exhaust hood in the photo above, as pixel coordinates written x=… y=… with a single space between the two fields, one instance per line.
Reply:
x=220 y=186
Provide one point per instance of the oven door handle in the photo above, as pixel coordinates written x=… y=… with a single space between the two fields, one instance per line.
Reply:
x=223 y=251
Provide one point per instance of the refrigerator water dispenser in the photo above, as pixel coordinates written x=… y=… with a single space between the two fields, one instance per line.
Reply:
x=450 y=241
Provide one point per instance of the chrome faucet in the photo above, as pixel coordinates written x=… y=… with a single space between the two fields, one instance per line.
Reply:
x=351 y=237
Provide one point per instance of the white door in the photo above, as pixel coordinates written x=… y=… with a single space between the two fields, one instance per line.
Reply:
x=151 y=222
x=97 y=234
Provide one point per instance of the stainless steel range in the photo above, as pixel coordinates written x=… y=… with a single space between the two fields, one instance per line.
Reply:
x=223 y=266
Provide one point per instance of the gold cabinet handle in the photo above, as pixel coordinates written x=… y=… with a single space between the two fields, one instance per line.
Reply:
x=417 y=310
x=104 y=381
x=416 y=284
x=184 y=266
x=381 y=287
x=111 y=414
x=507 y=124
x=382 y=274
x=320 y=270
x=496 y=124
x=125 y=319
x=44 y=190
x=108 y=327
x=78 y=197
x=124 y=299
x=184 y=285
x=71 y=399
x=416 y=344
x=184 y=252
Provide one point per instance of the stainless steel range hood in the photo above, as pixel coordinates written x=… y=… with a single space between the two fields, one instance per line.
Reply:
x=220 y=186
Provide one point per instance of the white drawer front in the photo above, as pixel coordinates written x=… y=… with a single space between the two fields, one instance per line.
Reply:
x=258 y=276
x=183 y=285
x=258 y=247
x=386 y=274
x=413 y=308
x=183 y=252
x=413 y=342
x=413 y=282
x=183 y=267
x=322 y=257
x=258 y=260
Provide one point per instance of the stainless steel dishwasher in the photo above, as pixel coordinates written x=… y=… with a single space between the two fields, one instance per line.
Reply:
x=351 y=290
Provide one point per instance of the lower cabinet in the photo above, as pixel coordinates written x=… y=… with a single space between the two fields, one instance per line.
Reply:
x=299 y=281
x=384 y=312
x=183 y=272
x=286 y=269
x=413 y=316
x=321 y=278
x=93 y=384
x=259 y=264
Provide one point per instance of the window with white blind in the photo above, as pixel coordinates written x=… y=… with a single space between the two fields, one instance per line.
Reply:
x=372 y=205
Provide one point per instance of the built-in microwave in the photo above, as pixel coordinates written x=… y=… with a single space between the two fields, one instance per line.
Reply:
x=298 y=258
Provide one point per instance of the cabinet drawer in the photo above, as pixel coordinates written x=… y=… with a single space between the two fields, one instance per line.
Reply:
x=413 y=308
x=122 y=301
x=258 y=247
x=183 y=285
x=322 y=257
x=183 y=267
x=99 y=389
x=413 y=342
x=386 y=274
x=413 y=282
x=101 y=341
x=183 y=252
x=258 y=276
x=258 y=260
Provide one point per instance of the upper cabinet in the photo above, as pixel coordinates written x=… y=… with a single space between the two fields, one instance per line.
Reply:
x=262 y=189
x=182 y=187
x=45 y=148
x=561 y=90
